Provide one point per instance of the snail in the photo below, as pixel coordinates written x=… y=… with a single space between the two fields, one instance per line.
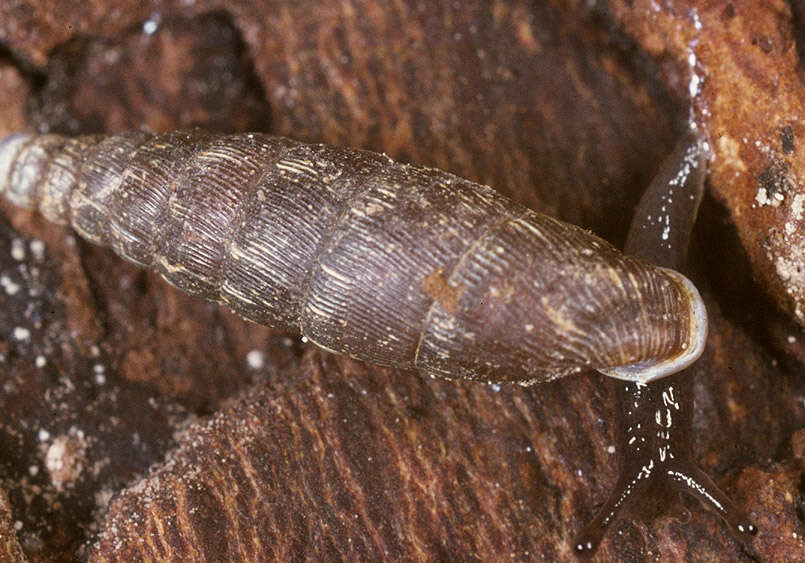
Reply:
x=394 y=264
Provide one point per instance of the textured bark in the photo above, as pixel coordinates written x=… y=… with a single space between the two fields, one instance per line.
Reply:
x=551 y=104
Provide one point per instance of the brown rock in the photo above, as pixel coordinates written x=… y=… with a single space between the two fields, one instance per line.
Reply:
x=10 y=549
x=184 y=72
x=740 y=58
x=778 y=496
x=13 y=92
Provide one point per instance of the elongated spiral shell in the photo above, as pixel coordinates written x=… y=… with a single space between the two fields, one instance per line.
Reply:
x=393 y=264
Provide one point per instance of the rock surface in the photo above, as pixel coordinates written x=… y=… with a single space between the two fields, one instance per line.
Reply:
x=741 y=60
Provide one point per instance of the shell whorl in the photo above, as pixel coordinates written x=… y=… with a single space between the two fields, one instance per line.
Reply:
x=393 y=264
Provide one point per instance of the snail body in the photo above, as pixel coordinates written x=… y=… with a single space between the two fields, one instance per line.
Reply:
x=654 y=421
x=389 y=263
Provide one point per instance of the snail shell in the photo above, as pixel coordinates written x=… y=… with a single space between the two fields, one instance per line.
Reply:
x=389 y=263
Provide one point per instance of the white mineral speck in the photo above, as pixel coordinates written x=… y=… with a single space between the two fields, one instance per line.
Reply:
x=40 y=361
x=43 y=435
x=797 y=205
x=65 y=460
x=150 y=26
x=21 y=333
x=54 y=456
x=38 y=249
x=18 y=249
x=762 y=197
x=9 y=285
x=256 y=359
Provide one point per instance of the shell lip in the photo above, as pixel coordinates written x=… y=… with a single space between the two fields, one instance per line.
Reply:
x=9 y=148
x=651 y=370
